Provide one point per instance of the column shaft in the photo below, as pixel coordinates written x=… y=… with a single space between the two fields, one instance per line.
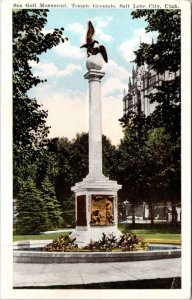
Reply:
x=95 y=124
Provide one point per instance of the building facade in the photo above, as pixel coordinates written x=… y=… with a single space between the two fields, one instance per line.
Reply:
x=144 y=81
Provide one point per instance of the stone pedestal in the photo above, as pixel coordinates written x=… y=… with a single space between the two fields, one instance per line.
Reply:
x=96 y=210
x=96 y=195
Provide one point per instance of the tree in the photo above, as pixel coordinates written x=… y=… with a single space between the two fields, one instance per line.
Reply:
x=48 y=164
x=158 y=167
x=32 y=215
x=130 y=165
x=162 y=56
x=148 y=167
x=66 y=163
x=168 y=112
x=160 y=176
x=110 y=153
x=51 y=204
x=64 y=180
x=29 y=120
x=28 y=43
x=165 y=54
x=79 y=159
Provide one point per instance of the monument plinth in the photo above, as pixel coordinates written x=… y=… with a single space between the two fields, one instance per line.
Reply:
x=96 y=195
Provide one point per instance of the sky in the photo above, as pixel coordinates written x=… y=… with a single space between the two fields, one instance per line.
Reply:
x=65 y=94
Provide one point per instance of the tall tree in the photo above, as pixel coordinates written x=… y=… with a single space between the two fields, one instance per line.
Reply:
x=32 y=216
x=165 y=54
x=160 y=175
x=158 y=167
x=79 y=159
x=110 y=156
x=130 y=165
x=64 y=179
x=52 y=207
x=29 y=119
x=54 y=169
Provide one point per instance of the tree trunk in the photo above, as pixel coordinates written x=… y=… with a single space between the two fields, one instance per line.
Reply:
x=151 y=213
x=165 y=211
x=133 y=213
x=174 y=214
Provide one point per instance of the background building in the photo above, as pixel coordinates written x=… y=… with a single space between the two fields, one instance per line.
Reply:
x=143 y=82
x=162 y=212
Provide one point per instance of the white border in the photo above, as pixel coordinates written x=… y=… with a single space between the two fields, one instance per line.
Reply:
x=7 y=292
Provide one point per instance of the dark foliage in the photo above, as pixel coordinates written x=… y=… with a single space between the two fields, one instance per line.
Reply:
x=62 y=244
x=108 y=243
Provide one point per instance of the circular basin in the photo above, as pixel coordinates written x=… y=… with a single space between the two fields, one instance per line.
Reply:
x=32 y=252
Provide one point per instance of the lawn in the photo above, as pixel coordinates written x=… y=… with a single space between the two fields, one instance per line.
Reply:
x=156 y=237
x=157 y=233
x=49 y=236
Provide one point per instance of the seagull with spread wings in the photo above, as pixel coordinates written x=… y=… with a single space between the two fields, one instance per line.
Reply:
x=93 y=47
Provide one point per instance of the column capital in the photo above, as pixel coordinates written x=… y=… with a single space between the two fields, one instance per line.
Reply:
x=94 y=75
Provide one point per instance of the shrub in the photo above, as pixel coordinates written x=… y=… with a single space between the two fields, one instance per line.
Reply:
x=62 y=244
x=108 y=243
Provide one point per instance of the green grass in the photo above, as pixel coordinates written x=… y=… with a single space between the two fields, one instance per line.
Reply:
x=158 y=237
x=49 y=236
x=157 y=233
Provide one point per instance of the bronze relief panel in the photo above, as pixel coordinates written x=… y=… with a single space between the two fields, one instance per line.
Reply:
x=102 y=210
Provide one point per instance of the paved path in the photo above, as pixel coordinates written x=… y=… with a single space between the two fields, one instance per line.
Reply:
x=81 y=273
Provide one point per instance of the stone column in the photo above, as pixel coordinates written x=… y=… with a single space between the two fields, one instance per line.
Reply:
x=95 y=124
x=95 y=192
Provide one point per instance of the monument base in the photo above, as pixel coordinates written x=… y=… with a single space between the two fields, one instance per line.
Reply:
x=85 y=236
x=96 y=209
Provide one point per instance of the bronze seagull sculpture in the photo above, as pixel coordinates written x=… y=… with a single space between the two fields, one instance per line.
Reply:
x=93 y=47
